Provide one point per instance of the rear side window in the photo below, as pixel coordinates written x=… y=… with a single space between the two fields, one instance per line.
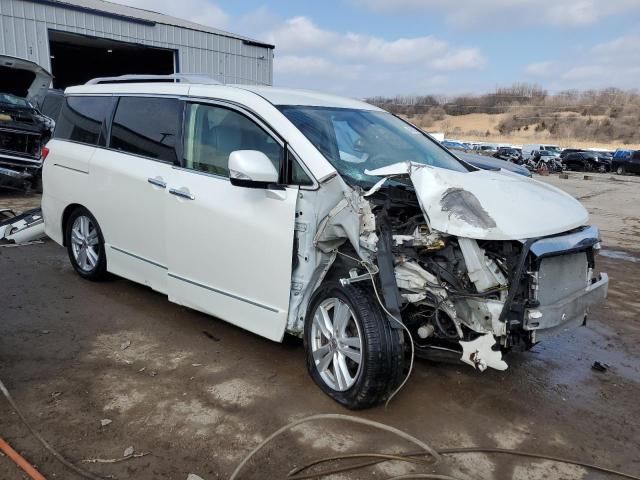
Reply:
x=81 y=120
x=147 y=126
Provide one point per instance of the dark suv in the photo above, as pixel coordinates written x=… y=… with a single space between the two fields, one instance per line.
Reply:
x=587 y=162
x=24 y=130
x=629 y=164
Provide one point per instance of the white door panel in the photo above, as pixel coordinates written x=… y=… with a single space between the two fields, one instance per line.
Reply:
x=230 y=250
x=129 y=206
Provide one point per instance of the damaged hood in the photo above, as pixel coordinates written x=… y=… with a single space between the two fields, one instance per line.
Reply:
x=24 y=78
x=489 y=205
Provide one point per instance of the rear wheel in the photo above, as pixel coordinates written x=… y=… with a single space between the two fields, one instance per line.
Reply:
x=85 y=245
x=620 y=170
x=353 y=353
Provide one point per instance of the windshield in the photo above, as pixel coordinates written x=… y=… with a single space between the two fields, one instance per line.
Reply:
x=12 y=100
x=551 y=148
x=358 y=140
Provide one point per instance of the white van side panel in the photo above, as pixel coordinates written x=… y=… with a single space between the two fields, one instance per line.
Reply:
x=230 y=251
x=65 y=178
x=131 y=213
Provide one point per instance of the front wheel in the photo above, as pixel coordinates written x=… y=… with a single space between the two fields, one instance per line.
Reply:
x=85 y=245
x=353 y=353
x=620 y=170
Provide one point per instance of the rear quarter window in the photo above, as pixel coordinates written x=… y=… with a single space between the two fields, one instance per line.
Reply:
x=81 y=120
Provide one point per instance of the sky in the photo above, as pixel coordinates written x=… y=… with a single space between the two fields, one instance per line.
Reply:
x=364 y=48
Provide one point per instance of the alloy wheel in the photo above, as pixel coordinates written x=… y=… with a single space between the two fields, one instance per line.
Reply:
x=336 y=344
x=85 y=243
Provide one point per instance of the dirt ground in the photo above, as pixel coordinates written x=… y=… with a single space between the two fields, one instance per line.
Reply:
x=198 y=394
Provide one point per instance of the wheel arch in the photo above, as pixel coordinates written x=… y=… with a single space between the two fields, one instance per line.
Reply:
x=65 y=218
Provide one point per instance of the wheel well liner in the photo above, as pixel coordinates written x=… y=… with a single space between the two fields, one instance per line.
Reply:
x=65 y=218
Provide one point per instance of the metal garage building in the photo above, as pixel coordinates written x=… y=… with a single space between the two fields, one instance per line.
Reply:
x=81 y=39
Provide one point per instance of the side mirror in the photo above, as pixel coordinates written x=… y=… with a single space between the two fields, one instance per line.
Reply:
x=251 y=169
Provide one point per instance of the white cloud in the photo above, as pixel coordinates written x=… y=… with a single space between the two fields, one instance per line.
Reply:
x=300 y=34
x=612 y=63
x=540 y=69
x=354 y=63
x=198 y=11
x=573 y=13
x=368 y=62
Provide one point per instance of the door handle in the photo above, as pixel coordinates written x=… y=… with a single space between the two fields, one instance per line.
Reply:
x=158 y=182
x=181 y=193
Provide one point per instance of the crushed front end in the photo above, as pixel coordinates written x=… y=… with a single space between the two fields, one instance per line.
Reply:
x=474 y=299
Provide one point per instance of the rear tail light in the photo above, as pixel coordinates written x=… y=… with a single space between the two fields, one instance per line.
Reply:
x=44 y=151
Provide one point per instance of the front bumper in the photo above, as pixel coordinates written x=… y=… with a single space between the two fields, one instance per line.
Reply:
x=568 y=312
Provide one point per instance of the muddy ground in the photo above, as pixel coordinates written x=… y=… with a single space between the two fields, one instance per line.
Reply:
x=197 y=394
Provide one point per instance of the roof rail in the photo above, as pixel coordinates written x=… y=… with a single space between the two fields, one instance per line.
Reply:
x=175 y=77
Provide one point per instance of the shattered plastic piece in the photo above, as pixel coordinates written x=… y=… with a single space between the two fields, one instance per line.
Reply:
x=479 y=354
x=193 y=476
x=125 y=345
x=104 y=422
x=128 y=452
x=599 y=367
x=376 y=187
x=23 y=229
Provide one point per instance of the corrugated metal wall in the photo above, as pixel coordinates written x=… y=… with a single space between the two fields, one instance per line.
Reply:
x=24 y=30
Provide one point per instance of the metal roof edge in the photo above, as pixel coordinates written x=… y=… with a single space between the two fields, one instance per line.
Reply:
x=142 y=21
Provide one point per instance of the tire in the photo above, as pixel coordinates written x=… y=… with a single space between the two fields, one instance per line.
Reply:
x=83 y=234
x=380 y=371
x=620 y=170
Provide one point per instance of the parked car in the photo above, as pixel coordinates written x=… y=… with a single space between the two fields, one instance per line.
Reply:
x=622 y=154
x=453 y=145
x=587 y=162
x=530 y=149
x=545 y=159
x=491 y=163
x=283 y=211
x=51 y=103
x=567 y=151
x=509 y=154
x=630 y=164
x=485 y=149
x=24 y=130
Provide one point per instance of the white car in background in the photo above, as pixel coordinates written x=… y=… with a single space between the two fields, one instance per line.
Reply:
x=530 y=149
x=285 y=211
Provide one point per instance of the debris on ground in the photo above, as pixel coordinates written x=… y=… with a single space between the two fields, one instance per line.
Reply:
x=125 y=345
x=104 y=422
x=193 y=476
x=128 y=452
x=599 y=367
x=211 y=336
x=23 y=229
x=115 y=460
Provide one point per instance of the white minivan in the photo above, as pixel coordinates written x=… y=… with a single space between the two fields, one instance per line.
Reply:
x=285 y=211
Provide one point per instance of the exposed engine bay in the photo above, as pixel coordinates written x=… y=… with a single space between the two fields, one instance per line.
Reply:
x=461 y=298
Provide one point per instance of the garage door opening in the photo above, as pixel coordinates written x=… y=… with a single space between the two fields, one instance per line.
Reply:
x=75 y=59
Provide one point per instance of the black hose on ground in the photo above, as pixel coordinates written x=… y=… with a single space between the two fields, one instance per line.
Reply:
x=45 y=444
x=295 y=474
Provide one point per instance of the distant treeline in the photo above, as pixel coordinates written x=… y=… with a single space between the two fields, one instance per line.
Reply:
x=605 y=115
